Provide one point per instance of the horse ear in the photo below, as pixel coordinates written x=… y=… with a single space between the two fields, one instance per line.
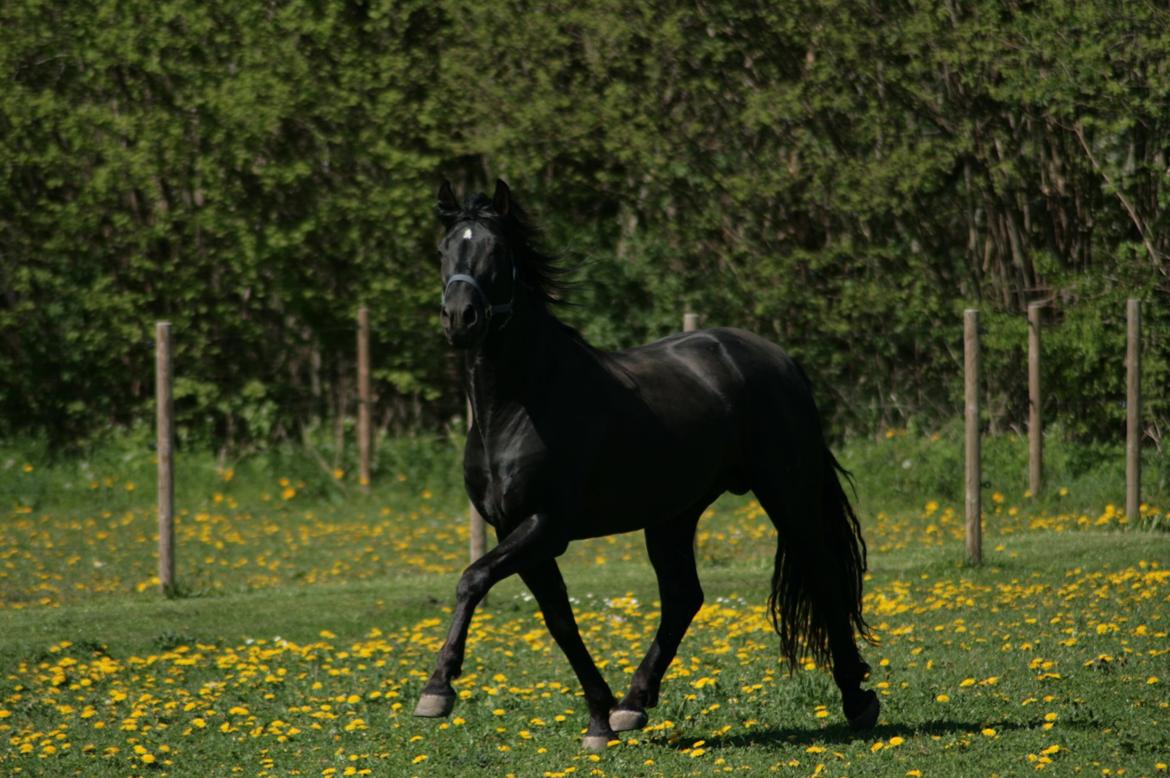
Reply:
x=502 y=199
x=446 y=206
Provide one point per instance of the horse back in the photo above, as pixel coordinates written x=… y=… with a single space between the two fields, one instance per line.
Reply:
x=677 y=423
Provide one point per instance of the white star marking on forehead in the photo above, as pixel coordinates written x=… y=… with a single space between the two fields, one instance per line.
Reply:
x=467 y=234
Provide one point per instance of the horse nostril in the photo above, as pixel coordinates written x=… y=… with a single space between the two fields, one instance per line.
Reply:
x=469 y=316
x=445 y=316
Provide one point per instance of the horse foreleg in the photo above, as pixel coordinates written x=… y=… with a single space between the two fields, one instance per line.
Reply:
x=532 y=541
x=548 y=587
x=672 y=553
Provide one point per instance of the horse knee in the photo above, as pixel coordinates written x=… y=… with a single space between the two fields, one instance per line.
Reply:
x=473 y=584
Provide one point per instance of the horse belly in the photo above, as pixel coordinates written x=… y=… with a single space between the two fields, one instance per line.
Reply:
x=651 y=480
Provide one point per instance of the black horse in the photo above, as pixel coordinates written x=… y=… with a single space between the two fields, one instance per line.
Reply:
x=572 y=442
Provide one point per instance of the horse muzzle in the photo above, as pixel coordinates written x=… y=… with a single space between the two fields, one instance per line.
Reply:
x=464 y=322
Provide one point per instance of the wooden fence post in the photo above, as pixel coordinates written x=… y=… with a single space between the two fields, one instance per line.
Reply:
x=165 y=447
x=363 y=424
x=974 y=475
x=1133 y=412
x=690 y=322
x=476 y=526
x=1035 y=423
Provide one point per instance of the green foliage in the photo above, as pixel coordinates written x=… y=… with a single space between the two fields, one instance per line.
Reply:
x=843 y=179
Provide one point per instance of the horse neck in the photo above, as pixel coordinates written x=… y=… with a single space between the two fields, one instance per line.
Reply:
x=506 y=369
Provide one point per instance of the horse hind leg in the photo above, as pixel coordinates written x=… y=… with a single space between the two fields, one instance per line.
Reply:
x=672 y=553
x=816 y=586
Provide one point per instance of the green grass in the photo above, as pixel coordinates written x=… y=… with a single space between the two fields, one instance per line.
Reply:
x=309 y=624
x=900 y=469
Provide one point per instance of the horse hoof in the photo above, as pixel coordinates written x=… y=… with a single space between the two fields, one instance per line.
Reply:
x=868 y=716
x=434 y=706
x=623 y=720
x=595 y=744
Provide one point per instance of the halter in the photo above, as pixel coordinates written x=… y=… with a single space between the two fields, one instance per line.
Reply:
x=489 y=309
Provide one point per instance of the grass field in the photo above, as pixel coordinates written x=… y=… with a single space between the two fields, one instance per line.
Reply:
x=310 y=617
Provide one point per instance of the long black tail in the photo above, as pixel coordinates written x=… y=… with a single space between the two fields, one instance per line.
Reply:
x=820 y=565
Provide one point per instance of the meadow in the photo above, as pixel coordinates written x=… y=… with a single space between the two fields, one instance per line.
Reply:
x=309 y=614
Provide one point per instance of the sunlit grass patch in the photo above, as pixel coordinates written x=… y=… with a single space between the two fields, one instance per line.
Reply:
x=998 y=666
x=312 y=615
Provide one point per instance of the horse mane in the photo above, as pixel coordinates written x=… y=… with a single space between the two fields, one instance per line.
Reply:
x=540 y=272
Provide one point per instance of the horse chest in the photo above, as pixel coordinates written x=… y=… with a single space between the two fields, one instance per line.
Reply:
x=505 y=481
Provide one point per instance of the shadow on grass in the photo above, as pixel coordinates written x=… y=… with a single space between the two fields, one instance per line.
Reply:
x=841 y=734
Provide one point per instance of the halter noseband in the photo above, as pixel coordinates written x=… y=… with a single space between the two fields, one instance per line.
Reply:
x=489 y=309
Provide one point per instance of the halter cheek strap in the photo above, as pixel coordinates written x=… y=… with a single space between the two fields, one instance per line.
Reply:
x=490 y=309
